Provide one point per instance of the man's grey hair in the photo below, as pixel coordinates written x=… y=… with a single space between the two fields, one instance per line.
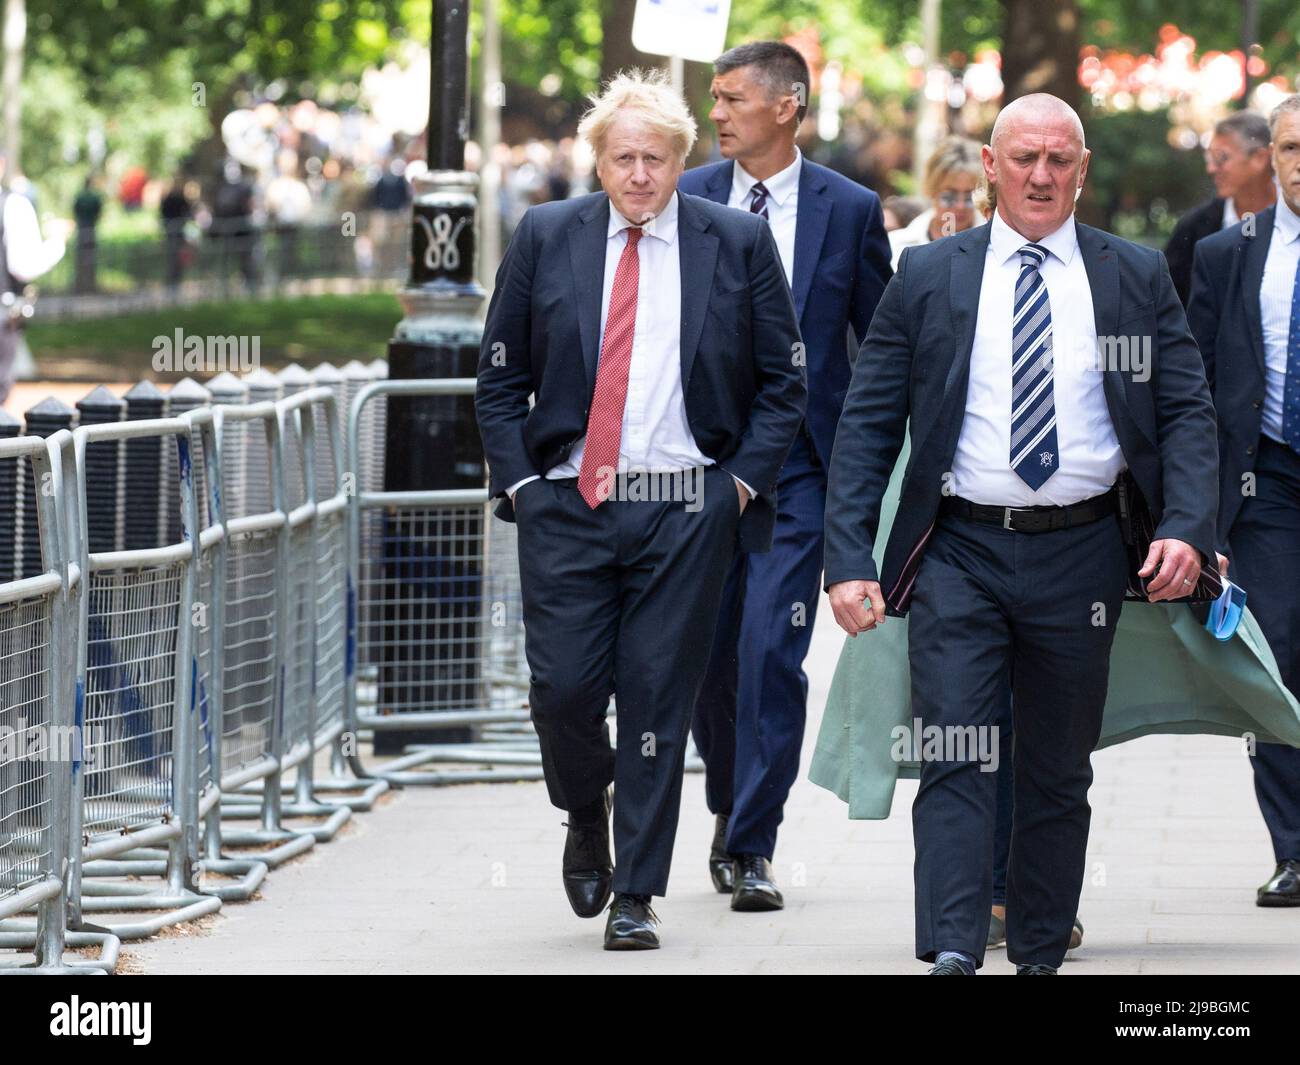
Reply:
x=780 y=69
x=1249 y=127
x=1289 y=105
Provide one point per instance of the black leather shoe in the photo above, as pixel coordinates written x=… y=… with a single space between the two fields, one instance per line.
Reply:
x=588 y=871
x=754 y=888
x=1283 y=888
x=1035 y=970
x=719 y=860
x=950 y=967
x=632 y=924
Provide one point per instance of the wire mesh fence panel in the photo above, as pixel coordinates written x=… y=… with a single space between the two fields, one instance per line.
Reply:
x=504 y=667
x=250 y=609
x=206 y=617
x=323 y=454
x=423 y=612
x=295 y=460
x=248 y=674
x=251 y=474
x=133 y=617
x=203 y=694
x=331 y=616
x=299 y=633
x=234 y=467
x=368 y=470
x=26 y=716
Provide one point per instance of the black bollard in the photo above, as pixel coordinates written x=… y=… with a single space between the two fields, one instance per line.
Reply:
x=145 y=524
x=9 y=564
x=104 y=471
x=44 y=420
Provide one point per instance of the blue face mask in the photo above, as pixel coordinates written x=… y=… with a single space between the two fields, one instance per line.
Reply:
x=1225 y=613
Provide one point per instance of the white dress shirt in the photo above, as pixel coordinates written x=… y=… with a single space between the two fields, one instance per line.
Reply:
x=782 y=205
x=27 y=255
x=1275 y=296
x=656 y=436
x=1089 y=455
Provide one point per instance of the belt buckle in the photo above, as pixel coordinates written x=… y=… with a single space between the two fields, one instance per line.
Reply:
x=1006 y=519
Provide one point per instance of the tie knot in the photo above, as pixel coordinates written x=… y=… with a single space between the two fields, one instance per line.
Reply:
x=1033 y=255
x=760 y=197
x=633 y=234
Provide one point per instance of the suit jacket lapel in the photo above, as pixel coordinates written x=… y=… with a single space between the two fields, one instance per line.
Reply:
x=698 y=255
x=812 y=217
x=718 y=188
x=587 y=258
x=1254 y=256
x=1101 y=262
x=965 y=275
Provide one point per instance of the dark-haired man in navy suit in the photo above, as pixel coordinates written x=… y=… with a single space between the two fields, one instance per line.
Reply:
x=749 y=722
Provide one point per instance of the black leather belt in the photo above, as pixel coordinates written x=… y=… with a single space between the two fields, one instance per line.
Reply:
x=1033 y=519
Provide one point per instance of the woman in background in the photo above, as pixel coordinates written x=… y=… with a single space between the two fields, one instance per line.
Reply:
x=953 y=174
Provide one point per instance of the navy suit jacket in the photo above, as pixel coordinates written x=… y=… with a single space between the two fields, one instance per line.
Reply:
x=915 y=363
x=1200 y=222
x=841 y=267
x=1227 y=272
x=744 y=391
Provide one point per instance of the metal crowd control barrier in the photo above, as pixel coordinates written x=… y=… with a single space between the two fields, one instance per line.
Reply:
x=231 y=608
x=251 y=620
x=437 y=619
x=244 y=875
x=137 y=784
x=38 y=704
x=312 y=598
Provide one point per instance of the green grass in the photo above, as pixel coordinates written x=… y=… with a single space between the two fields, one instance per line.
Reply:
x=310 y=329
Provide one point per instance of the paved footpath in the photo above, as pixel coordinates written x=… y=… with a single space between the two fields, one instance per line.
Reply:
x=467 y=879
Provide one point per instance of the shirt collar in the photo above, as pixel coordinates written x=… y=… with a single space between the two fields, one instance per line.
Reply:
x=780 y=186
x=1285 y=221
x=1006 y=242
x=663 y=225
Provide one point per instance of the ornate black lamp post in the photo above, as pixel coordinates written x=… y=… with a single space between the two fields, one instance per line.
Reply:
x=432 y=564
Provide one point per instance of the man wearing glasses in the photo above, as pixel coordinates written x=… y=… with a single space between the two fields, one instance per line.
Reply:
x=1238 y=161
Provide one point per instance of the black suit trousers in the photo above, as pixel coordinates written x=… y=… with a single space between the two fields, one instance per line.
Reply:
x=622 y=600
x=1036 y=610
x=1264 y=551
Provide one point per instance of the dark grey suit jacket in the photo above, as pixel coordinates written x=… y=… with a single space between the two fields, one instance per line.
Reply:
x=915 y=363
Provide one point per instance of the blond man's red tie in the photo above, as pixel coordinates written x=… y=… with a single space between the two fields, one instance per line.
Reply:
x=605 y=421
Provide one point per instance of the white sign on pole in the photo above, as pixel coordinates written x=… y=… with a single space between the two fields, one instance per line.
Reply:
x=689 y=29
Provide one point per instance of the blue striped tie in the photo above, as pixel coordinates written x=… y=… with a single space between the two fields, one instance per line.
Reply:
x=1033 y=411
